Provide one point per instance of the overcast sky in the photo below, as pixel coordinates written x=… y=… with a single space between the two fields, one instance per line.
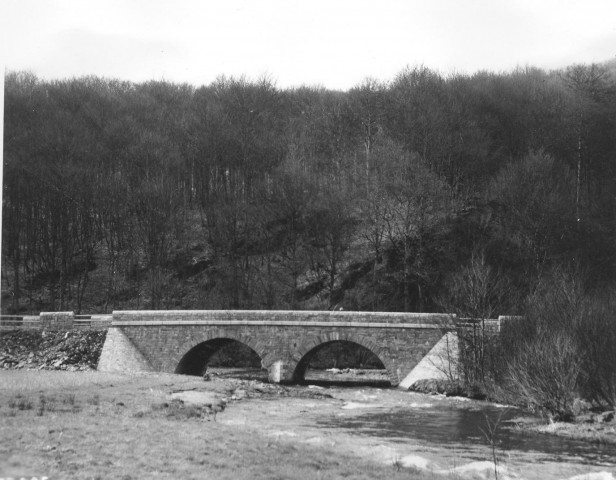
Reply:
x=334 y=43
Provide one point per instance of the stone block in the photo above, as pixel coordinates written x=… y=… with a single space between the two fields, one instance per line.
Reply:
x=57 y=320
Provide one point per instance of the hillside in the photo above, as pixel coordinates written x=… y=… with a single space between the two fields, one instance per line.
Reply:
x=390 y=196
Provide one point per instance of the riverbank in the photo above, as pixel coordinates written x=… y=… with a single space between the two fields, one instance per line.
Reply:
x=593 y=427
x=96 y=425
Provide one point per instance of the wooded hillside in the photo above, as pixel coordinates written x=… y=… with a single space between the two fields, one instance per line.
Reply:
x=427 y=193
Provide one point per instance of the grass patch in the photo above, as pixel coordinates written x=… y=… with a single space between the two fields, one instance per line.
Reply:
x=20 y=403
x=112 y=426
x=176 y=410
x=28 y=381
x=42 y=405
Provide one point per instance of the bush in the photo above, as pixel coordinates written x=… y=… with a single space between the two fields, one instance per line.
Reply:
x=476 y=292
x=596 y=336
x=562 y=351
x=545 y=374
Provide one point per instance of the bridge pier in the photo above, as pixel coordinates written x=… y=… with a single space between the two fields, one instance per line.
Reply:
x=280 y=372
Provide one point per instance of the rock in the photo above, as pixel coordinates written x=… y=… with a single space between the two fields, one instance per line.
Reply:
x=55 y=350
x=415 y=461
x=585 y=418
x=210 y=400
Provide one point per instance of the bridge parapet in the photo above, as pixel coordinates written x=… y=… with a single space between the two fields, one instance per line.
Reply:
x=489 y=325
x=282 y=318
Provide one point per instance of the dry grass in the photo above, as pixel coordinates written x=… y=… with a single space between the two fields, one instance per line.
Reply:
x=601 y=433
x=91 y=425
x=27 y=381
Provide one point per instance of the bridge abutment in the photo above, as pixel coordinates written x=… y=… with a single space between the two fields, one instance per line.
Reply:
x=119 y=354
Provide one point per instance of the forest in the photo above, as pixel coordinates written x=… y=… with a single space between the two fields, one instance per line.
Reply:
x=481 y=195
x=458 y=193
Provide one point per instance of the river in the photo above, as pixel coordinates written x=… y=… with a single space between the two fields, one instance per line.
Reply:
x=423 y=432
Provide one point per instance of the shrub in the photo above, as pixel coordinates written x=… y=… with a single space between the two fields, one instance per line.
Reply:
x=596 y=335
x=545 y=372
x=542 y=365
x=476 y=292
x=563 y=350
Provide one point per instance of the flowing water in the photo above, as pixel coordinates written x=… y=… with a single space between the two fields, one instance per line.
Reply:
x=465 y=427
x=435 y=433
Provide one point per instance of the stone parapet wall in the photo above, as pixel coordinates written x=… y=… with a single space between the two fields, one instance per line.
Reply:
x=57 y=320
x=282 y=317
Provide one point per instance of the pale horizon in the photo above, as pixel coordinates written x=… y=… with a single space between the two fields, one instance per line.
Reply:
x=333 y=44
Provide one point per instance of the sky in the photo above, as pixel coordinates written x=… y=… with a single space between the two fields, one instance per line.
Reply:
x=331 y=43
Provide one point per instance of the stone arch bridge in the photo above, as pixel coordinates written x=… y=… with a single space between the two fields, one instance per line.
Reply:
x=183 y=341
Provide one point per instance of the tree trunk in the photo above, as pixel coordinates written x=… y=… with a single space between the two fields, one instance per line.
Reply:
x=578 y=179
x=407 y=278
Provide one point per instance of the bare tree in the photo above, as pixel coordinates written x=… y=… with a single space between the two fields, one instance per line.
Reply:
x=476 y=293
x=417 y=200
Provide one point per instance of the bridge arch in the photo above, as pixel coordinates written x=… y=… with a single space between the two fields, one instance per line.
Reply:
x=302 y=355
x=194 y=354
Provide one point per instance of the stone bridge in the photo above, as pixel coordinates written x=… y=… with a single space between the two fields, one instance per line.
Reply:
x=183 y=341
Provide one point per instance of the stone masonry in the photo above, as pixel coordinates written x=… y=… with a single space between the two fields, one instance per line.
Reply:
x=183 y=341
